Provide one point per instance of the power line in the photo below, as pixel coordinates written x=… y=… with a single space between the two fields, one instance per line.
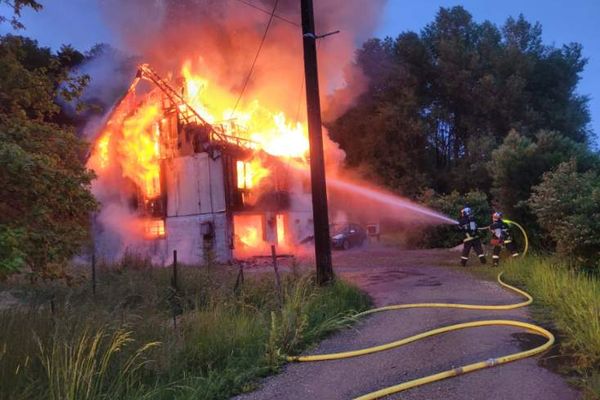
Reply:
x=289 y=21
x=272 y=15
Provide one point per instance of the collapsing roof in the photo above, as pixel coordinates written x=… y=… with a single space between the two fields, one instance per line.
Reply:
x=171 y=180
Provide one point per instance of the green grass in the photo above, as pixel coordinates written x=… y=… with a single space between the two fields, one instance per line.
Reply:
x=122 y=343
x=569 y=302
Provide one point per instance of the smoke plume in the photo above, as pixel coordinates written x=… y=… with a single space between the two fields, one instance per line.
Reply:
x=221 y=38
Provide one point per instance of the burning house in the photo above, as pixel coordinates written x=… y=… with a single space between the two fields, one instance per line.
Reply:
x=171 y=176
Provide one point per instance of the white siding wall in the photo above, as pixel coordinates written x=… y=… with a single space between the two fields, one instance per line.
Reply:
x=196 y=194
x=195 y=185
x=183 y=235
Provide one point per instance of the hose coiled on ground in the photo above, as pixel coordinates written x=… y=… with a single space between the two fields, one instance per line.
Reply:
x=451 y=372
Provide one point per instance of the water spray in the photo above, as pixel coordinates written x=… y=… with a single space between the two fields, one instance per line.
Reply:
x=378 y=196
x=388 y=199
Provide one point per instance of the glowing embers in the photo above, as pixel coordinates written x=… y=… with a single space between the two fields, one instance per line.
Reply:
x=155 y=229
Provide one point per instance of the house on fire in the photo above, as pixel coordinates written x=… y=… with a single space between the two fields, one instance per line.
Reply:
x=204 y=190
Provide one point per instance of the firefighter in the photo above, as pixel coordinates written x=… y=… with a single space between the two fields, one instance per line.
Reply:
x=468 y=226
x=501 y=237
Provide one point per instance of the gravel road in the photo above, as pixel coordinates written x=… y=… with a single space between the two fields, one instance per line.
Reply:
x=394 y=276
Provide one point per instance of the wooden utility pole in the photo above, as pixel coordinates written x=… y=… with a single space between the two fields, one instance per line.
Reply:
x=315 y=135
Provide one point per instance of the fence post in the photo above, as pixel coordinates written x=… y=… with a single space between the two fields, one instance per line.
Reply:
x=277 y=280
x=239 y=281
x=175 y=301
x=94 y=274
x=174 y=279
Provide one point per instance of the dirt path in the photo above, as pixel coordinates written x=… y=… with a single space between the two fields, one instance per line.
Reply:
x=391 y=276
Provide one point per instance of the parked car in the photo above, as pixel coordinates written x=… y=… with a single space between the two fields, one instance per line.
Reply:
x=348 y=235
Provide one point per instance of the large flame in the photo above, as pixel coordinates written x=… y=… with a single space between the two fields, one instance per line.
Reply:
x=270 y=129
x=139 y=150
x=131 y=141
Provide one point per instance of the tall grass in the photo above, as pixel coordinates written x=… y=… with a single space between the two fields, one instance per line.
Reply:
x=82 y=370
x=569 y=301
x=122 y=343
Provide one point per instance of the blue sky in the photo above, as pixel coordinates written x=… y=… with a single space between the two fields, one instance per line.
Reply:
x=562 y=21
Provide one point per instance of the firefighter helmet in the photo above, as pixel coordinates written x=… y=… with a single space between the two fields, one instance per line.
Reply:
x=497 y=216
x=466 y=212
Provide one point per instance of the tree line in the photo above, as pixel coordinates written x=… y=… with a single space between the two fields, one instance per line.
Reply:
x=475 y=112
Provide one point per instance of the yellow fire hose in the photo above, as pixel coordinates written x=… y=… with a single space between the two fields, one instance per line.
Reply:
x=509 y=222
x=455 y=371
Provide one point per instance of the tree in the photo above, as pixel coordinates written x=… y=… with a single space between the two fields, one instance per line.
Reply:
x=439 y=102
x=45 y=200
x=567 y=205
x=34 y=78
x=383 y=134
x=519 y=164
x=17 y=6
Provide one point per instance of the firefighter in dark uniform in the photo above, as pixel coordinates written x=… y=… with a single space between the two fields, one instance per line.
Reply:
x=468 y=226
x=501 y=237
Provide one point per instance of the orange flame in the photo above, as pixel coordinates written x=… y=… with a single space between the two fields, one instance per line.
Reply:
x=139 y=149
x=280 y=221
x=155 y=228
x=248 y=232
x=250 y=173
x=103 y=145
x=272 y=131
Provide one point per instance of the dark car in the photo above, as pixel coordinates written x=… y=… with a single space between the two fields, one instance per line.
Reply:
x=348 y=235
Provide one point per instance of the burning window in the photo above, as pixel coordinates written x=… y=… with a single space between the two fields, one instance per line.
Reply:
x=244 y=175
x=280 y=222
x=249 y=230
x=155 y=229
x=250 y=173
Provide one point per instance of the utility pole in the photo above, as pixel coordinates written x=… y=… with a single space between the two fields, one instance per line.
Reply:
x=315 y=136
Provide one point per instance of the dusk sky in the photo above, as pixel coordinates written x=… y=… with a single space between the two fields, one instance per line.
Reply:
x=80 y=23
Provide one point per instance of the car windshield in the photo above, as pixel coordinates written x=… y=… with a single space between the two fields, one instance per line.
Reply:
x=343 y=228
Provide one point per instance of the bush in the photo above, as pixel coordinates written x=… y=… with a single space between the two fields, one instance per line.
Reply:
x=567 y=206
x=519 y=164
